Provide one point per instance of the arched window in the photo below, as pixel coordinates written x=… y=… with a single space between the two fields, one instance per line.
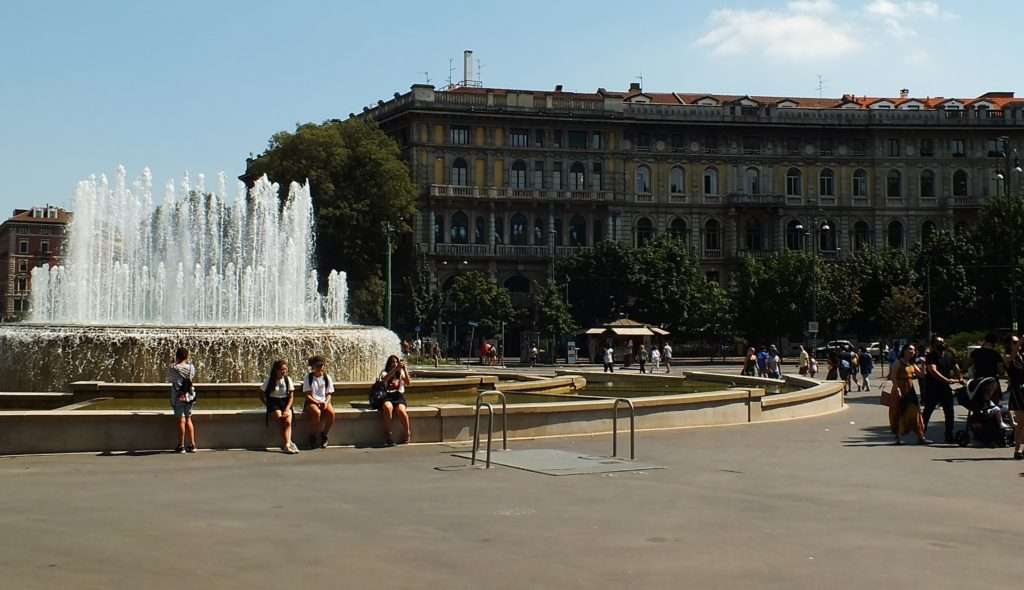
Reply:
x=793 y=182
x=712 y=237
x=752 y=181
x=643 y=180
x=577 y=177
x=677 y=180
x=710 y=180
x=861 y=236
x=644 y=232
x=754 y=235
x=518 y=230
x=794 y=235
x=860 y=183
x=499 y=229
x=517 y=176
x=577 y=231
x=539 y=237
x=927 y=184
x=827 y=236
x=827 y=183
x=677 y=229
x=460 y=228
x=439 y=228
x=894 y=184
x=895 y=236
x=959 y=183
x=480 y=231
x=927 y=231
x=557 y=234
x=460 y=172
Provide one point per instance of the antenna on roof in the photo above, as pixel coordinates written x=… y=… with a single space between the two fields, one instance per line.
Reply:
x=451 y=73
x=479 y=72
x=641 y=78
x=427 y=76
x=821 y=86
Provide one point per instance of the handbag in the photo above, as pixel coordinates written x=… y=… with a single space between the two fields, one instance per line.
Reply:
x=377 y=394
x=888 y=398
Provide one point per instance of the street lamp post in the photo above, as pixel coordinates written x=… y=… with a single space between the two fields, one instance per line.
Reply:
x=814 y=234
x=1012 y=166
x=387 y=275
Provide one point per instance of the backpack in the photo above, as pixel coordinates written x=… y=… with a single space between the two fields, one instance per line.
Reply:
x=327 y=381
x=186 y=391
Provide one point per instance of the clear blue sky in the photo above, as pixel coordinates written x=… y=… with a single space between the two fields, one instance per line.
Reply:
x=197 y=86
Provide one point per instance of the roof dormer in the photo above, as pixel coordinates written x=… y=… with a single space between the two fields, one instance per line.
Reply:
x=951 y=104
x=881 y=104
x=708 y=101
x=787 y=103
x=911 y=105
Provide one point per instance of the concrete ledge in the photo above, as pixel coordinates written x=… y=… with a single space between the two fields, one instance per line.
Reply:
x=34 y=401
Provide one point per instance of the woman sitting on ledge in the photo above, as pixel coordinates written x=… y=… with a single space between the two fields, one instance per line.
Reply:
x=278 y=396
x=388 y=397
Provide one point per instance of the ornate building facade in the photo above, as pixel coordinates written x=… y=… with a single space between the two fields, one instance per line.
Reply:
x=512 y=179
x=29 y=238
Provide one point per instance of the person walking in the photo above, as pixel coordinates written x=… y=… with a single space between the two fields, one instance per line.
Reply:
x=867 y=365
x=642 y=359
x=655 y=359
x=533 y=355
x=609 y=359
x=805 y=361
x=773 y=364
x=666 y=355
x=1015 y=372
x=750 y=363
x=938 y=390
x=905 y=406
x=183 y=397
x=762 y=360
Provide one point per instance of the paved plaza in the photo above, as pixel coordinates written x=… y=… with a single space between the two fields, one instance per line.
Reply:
x=826 y=502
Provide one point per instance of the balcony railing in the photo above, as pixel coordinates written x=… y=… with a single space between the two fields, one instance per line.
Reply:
x=712 y=252
x=526 y=194
x=523 y=251
x=755 y=253
x=964 y=202
x=644 y=198
x=752 y=200
x=463 y=250
x=677 y=197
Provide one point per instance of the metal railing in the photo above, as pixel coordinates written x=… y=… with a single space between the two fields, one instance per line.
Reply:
x=490 y=425
x=615 y=427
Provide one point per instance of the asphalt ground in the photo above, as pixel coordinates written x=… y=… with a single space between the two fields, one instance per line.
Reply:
x=825 y=502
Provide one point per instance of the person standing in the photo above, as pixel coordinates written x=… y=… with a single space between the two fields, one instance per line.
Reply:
x=533 y=355
x=183 y=397
x=750 y=363
x=805 y=361
x=773 y=364
x=655 y=359
x=854 y=367
x=318 y=408
x=762 y=360
x=278 y=396
x=666 y=355
x=905 y=410
x=1015 y=371
x=609 y=359
x=642 y=358
x=938 y=390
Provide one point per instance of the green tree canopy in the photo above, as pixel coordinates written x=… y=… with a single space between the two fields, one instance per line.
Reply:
x=901 y=312
x=476 y=297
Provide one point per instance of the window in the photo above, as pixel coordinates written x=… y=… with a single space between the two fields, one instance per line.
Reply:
x=894 y=148
x=643 y=180
x=538 y=138
x=557 y=231
x=577 y=231
x=995 y=148
x=598 y=230
x=577 y=177
x=460 y=172
x=827 y=183
x=894 y=184
x=754 y=236
x=927 y=230
x=793 y=146
x=578 y=140
x=644 y=232
x=499 y=229
x=860 y=147
x=23 y=247
x=439 y=228
x=860 y=183
x=895 y=235
x=22 y=266
x=677 y=229
x=712 y=237
x=556 y=138
x=712 y=276
x=538 y=174
x=959 y=183
x=826 y=147
x=794 y=235
x=518 y=230
x=596 y=142
x=861 y=236
x=539 y=235
x=677 y=180
x=556 y=177
x=956 y=147
x=711 y=145
x=480 y=231
x=644 y=142
x=519 y=138
x=596 y=182
x=927 y=148
x=22 y=284
x=928 y=184
x=827 y=236
x=751 y=145
x=711 y=181
x=752 y=181
x=460 y=230
x=678 y=143
x=793 y=181
x=44 y=247
x=517 y=175
x=458 y=135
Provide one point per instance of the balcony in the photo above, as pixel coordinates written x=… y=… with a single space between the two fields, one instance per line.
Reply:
x=712 y=252
x=463 y=250
x=861 y=201
x=508 y=251
x=963 y=202
x=754 y=253
x=644 y=197
x=517 y=194
x=677 y=197
x=570 y=251
x=752 y=200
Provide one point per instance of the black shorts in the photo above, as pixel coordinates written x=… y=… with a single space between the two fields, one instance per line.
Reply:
x=277 y=403
x=395 y=397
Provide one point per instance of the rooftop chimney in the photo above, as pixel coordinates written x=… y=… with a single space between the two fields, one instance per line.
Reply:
x=905 y=92
x=634 y=86
x=467 y=67
x=558 y=88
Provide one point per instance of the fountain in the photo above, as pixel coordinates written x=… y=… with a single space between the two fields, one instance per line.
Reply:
x=232 y=282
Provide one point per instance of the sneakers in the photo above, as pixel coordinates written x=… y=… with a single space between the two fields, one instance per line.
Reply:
x=323 y=441
x=179 y=449
x=1018 y=456
x=290 y=448
x=190 y=449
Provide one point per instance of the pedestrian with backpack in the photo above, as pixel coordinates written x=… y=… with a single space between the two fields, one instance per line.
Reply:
x=183 y=397
x=278 y=396
x=318 y=408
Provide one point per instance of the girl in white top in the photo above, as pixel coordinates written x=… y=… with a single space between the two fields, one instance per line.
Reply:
x=277 y=395
x=318 y=388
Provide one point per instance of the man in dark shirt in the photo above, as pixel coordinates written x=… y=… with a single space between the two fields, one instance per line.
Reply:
x=939 y=377
x=986 y=360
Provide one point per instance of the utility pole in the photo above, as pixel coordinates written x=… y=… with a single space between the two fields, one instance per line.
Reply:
x=387 y=276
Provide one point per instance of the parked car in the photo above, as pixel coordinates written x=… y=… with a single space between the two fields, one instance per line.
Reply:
x=822 y=351
x=875 y=350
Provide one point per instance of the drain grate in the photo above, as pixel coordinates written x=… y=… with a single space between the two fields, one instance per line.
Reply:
x=558 y=462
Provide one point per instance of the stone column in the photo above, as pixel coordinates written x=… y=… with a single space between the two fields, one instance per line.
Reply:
x=491 y=230
x=430 y=228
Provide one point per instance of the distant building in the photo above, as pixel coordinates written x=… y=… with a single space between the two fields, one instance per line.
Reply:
x=29 y=238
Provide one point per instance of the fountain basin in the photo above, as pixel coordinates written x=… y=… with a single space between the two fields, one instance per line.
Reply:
x=49 y=357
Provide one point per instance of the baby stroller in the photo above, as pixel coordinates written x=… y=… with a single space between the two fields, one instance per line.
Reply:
x=987 y=422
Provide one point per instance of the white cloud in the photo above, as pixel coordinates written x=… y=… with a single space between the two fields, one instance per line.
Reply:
x=800 y=33
x=902 y=17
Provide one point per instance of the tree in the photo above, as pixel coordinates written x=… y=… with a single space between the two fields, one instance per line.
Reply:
x=358 y=182
x=876 y=272
x=426 y=300
x=668 y=283
x=601 y=282
x=366 y=301
x=900 y=312
x=476 y=297
x=554 y=316
x=944 y=262
x=999 y=236
x=773 y=295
